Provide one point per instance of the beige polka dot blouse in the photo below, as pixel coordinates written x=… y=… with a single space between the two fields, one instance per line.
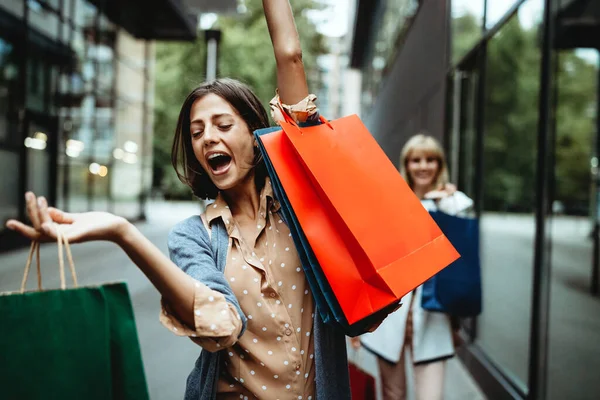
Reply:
x=274 y=357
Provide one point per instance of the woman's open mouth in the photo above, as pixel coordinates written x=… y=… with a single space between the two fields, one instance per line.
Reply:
x=218 y=162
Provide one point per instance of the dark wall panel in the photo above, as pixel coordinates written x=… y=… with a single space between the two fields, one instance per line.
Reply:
x=412 y=96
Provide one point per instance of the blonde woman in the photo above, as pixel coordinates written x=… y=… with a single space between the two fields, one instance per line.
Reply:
x=412 y=335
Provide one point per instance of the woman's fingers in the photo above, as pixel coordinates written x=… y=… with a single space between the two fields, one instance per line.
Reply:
x=60 y=216
x=23 y=229
x=32 y=210
x=44 y=220
x=43 y=211
x=450 y=188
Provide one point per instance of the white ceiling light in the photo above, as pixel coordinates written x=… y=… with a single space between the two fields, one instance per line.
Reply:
x=130 y=158
x=130 y=147
x=94 y=168
x=35 y=144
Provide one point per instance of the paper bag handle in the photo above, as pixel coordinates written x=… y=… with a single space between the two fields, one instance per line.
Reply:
x=291 y=121
x=35 y=247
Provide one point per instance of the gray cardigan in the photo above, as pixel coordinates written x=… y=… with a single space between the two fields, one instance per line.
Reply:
x=192 y=250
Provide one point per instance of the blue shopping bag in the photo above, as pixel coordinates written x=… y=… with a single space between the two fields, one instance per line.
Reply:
x=328 y=307
x=456 y=290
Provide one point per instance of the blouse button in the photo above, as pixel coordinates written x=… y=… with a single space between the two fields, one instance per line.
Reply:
x=273 y=295
x=297 y=367
x=288 y=331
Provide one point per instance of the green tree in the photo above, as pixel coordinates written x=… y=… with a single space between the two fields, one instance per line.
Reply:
x=575 y=120
x=511 y=122
x=466 y=32
x=511 y=112
x=245 y=53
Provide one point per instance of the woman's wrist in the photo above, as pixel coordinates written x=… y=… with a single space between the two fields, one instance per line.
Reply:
x=122 y=232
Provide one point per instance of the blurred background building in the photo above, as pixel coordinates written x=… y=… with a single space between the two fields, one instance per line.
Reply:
x=77 y=98
x=516 y=106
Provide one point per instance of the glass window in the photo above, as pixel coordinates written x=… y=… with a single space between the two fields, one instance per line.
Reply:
x=105 y=77
x=9 y=81
x=53 y=88
x=463 y=88
x=14 y=7
x=79 y=82
x=67 y=9
x=9 y=186
x=55 y=4
x=43 y=20
x=467 y=26
x=37 y=83
x=38 y=156
x=78 y=178
x=574 y=354
x=100 y=181
x=105 y=139
x=82 y=128
x=497 y=9
x=85 y=13
x=65 y=32
x=509 y=177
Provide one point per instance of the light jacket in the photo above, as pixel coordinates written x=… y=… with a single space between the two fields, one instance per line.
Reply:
x=432 y=332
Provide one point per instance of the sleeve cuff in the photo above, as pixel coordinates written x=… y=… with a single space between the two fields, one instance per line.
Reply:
x=300 y=112
x=214 y=317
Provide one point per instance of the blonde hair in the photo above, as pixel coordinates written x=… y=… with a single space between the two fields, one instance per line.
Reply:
x=430 y=146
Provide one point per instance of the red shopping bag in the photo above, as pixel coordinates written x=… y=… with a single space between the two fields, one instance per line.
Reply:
x=362 y=385
x=374 y=240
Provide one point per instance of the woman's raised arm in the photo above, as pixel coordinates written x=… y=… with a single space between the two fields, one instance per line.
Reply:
x=291 y=78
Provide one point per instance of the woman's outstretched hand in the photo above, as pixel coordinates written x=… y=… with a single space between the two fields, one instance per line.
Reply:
x=76 y=227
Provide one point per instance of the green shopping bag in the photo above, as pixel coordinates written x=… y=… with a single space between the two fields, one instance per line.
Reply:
x=78 y=343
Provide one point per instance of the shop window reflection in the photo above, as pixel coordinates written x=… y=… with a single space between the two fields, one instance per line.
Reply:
x=37 y=84
x=467 y=26
x=509 y=177
x=9 y=76
x=43 y=19
x=9 y=185
x=78 y=183
x=574 y=354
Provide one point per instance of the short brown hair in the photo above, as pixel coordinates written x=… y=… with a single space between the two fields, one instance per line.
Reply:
x=245 y=103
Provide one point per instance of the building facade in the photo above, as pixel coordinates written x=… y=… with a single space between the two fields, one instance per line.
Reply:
x=511 y=88
x=76 y=102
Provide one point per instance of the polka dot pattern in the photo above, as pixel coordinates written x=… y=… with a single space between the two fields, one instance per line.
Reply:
x=271 y=288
